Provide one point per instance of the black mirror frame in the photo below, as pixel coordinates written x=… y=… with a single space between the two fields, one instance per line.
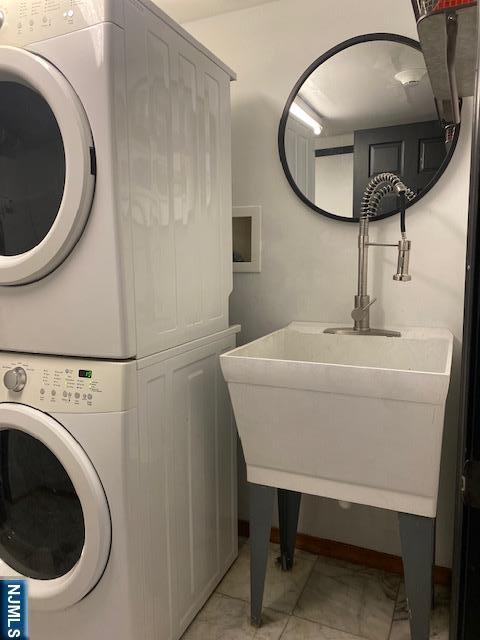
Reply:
x=369 y=37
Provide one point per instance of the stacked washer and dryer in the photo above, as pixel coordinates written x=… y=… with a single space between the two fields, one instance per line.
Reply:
x=117 y=451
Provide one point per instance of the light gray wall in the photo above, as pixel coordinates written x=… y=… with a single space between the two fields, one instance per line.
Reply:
x=309 y=262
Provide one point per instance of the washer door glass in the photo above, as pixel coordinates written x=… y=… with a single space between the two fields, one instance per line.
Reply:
x=55 y=526
x=32 y=168
x=42 y=531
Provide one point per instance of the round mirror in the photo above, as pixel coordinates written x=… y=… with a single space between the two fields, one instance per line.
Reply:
x=363 y=108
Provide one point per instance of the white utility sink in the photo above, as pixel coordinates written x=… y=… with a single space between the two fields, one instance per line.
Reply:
x=356 y=418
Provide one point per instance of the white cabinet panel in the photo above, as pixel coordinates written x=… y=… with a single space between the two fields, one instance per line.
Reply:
x=155 y=511
x=195 y=480
x=179 y=131
x=187 y=438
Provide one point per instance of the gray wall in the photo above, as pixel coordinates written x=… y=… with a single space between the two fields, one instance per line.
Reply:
x=309 y=262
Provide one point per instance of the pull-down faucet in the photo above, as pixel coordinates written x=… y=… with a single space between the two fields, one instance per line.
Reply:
x=376 y=190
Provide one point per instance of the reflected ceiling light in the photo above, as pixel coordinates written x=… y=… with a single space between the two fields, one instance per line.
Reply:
x=302 y=115
x=410 y=77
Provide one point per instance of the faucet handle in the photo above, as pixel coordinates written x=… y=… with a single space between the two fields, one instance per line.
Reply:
x=359 y=312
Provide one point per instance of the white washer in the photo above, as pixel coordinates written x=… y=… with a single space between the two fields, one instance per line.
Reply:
x=115 y=185
x=117 y=496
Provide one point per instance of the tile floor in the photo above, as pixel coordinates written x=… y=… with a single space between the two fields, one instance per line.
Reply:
x=321 y=599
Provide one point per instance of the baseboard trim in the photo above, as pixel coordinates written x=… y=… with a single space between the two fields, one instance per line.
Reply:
x=349 y=553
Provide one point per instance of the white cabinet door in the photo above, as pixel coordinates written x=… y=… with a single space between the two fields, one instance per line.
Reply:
x=188 y=443
x=204 y=486
x=180 y=171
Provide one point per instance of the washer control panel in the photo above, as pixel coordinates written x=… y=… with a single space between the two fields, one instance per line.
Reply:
x=67 y=385
x=24 y=21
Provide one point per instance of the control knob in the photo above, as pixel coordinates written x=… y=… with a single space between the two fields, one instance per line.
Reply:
x=15 y=379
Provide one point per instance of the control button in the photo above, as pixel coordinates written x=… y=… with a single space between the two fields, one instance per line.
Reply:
x=89 y=396
x=15 y=379
x=44 y=19
x=31 y=23
x=54 y=393
x=2 y=19
x=77 y=395
x=65 y=394
x=42 y=392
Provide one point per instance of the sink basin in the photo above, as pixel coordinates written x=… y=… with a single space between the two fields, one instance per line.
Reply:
x=356 y=418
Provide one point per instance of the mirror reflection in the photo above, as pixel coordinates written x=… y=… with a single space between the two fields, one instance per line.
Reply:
x=367 y=109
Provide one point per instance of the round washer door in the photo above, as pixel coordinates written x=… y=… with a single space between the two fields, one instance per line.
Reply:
x=46 y=167
x=55 y=526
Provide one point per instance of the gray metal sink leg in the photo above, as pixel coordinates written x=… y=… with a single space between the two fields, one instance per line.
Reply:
x=288 y=510
x=261 y=513
x=417 y=534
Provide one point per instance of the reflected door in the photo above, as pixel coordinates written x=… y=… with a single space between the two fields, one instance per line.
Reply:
x=414 y=152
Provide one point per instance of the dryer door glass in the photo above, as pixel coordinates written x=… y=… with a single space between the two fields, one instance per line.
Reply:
x=42 y=530
x=32 y=168
x=47 y=167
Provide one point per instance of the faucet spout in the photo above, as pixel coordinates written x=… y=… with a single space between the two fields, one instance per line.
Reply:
x=404 y=247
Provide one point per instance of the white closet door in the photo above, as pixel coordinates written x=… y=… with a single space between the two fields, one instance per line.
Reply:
x=300 y=153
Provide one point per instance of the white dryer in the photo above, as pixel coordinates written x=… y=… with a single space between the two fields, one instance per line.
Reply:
x=117 y=489
x=115 y=185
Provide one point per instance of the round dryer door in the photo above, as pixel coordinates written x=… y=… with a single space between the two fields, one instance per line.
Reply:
x=46 y=167
x=55 y=526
